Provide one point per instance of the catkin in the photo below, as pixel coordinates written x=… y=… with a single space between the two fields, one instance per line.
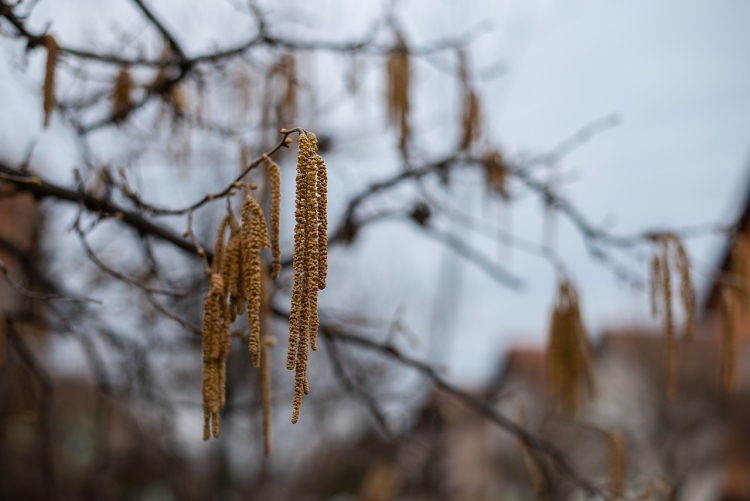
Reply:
x=618 y=463
x=275 y=178
x=254 y=237
x=569 y=357
x=470 y=118
x=298 y=257
x=398 y=73
x=322 y=222
x=655 y=284
x=687 y=295
x=729 y=340
x=311 y=244
x=215 y=346
x=671 y=343
x=121 y=94
x=49 y=78
x=231 y=270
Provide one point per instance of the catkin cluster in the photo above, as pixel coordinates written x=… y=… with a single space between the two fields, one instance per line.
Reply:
x=569 y=353
x=398 y=72
x=216 y=340
x=49 y=78
x=239 y=282
x=309 y=262
x=236 y=286
x=672 y=254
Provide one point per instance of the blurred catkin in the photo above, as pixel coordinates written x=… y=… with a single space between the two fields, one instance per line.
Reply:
x=470 y=115
x=49 y=78
x=398 y=84
x=121 y=94
x=569 y=357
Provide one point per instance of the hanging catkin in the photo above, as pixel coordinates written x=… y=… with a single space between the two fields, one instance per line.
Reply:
x=729 y=340
x=308 y=263
x=470 y=118
x=231 y=270
x=216 y=341
x=274 y=175
x=655 y=284
x=671 y=342
x=323 y=223
x=49 y=78
x=618 y=463
x=121 y=94
x=687 y=297
x=254 y=237
x=399 y=77
x=569 y=358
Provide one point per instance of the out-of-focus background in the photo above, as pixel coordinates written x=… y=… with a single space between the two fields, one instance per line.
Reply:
x=598 y=128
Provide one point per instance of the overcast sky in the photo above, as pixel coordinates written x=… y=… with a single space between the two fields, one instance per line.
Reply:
x=676 y=73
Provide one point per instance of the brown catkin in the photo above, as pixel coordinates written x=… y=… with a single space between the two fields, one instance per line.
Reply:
x=215 y=327
x=274 y=174
x=669 y=334
x=398 y=72
x=231 y=271
x=311 y=244
x=121 y=94
x=729 y=340
x=254 y=235
x=569 y=357
x=322 y=223
x=470 y=117
x=687 y=293
x=298 y=257
x=655 y=288
x=49 y=78
x=618 y=463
